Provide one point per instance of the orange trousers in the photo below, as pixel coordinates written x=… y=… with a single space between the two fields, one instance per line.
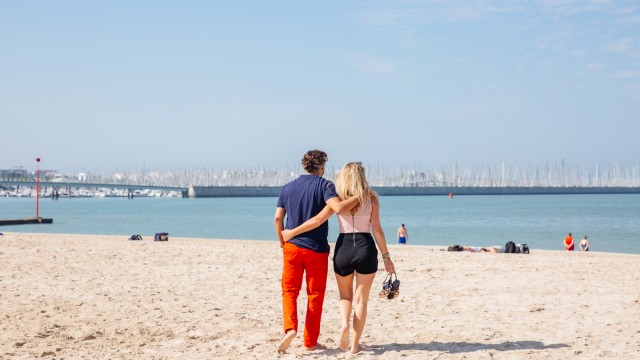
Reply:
x=297 y=261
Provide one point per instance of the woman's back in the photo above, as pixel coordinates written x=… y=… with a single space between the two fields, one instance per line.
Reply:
x=359 y=222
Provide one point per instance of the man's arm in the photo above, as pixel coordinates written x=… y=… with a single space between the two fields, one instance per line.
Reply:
x=278 y=224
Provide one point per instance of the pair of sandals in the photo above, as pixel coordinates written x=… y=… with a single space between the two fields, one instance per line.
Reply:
x=390 y=286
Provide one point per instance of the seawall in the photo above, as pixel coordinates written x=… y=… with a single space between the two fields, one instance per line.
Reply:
x=274 y=191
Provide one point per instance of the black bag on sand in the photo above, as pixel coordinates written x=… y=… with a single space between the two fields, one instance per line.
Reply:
x=135 y=237
x=161 y=237
x=510 y=247
x=525 y=248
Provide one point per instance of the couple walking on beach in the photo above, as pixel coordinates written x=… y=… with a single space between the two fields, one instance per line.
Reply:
x=308 y=202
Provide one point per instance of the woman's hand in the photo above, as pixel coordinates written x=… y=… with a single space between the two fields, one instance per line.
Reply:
x=388 y=266
x=287 y=234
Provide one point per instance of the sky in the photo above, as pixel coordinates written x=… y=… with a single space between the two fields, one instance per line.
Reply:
x=117 y=85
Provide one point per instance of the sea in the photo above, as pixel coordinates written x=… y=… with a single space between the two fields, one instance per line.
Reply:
x=611 y=221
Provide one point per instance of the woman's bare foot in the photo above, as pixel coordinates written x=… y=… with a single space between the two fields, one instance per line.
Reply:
x=355 y=348
x=344 y=338
x=286 y=341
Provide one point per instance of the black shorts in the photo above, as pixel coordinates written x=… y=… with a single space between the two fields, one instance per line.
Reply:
x=355 y=253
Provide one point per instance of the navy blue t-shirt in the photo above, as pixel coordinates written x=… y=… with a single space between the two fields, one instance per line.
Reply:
x=302 y=199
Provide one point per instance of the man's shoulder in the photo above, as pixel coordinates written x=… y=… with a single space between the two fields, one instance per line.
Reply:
x=312 y=179
x=295 y=182
x=309 y=181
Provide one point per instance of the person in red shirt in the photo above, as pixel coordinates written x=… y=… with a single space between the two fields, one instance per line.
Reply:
x=568 y=242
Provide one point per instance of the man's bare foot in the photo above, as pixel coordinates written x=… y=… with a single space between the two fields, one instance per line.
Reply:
x=344 y=339
x=355 y=349
x=286 y=341
x=314 y=347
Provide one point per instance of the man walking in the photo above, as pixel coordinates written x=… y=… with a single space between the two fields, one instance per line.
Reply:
x=300 y=200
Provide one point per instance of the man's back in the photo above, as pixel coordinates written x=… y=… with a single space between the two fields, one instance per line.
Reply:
x=302 y=199
x=402 y=231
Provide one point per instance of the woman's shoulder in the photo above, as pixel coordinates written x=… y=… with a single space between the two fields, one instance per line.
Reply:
x=373 y=198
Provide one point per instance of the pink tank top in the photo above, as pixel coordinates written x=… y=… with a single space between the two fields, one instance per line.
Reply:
x=360 y=222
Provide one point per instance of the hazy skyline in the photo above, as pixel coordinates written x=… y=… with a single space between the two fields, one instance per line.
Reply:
x=121 y=85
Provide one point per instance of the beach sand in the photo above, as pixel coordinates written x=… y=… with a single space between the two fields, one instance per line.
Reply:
x=104 y=297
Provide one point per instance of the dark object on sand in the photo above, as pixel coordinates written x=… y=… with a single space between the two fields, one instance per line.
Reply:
x=455 y=248
x=161 y=237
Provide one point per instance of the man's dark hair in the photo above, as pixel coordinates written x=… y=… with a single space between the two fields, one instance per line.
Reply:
x=313 y=160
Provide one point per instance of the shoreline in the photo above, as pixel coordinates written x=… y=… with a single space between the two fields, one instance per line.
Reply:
x=102 y=296
x=331 y=242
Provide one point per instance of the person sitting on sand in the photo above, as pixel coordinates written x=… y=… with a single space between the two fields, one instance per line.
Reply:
x=584 y=244
x=355 y=256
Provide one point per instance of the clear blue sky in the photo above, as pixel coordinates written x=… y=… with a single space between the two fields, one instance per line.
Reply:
x=101 y=85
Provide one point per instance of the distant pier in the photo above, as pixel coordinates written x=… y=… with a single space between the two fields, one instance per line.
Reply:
x=274 y=191
x=36 y=220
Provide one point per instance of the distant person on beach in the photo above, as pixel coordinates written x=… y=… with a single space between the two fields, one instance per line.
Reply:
x=584 y=244
x=307 y=254
x=568 y=242
x=489 y=249
x=355 y=256
x=492 y=249
x=403 y=236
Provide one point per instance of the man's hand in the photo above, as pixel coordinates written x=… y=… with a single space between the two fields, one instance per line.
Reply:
x=287 y=235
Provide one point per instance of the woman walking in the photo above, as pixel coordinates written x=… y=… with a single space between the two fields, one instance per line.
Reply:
x=355 y=256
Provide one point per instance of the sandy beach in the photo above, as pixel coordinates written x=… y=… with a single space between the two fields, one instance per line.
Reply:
x=104 y=297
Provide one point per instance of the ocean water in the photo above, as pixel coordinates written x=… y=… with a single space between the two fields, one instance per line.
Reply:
x=612 y=222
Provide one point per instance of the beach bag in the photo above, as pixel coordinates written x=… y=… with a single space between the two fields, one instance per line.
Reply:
x=135 y=237
x=510 y=247
x=525 y=248
x=161 y=237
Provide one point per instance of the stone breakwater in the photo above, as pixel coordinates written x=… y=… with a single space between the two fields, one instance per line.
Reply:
x=274 y=191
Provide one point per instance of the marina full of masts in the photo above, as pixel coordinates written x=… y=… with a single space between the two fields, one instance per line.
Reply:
x=451 y=175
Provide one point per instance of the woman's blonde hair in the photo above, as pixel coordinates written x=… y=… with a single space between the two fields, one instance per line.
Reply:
x=351 y=181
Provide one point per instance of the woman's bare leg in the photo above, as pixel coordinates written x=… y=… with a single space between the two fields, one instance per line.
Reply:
x=345 y=288
x=360 y=300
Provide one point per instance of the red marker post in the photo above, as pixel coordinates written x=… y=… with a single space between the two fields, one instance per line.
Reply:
x=37 y=185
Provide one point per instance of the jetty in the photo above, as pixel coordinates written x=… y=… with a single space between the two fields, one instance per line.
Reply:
x=35 y=220
x=274 y=191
